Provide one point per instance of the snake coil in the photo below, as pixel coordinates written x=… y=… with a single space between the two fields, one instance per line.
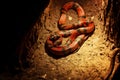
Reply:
x=77 y=33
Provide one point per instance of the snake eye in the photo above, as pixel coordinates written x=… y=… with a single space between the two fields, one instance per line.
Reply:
x=54 y=37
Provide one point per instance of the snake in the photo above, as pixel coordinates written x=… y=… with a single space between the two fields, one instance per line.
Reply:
x=76 y=33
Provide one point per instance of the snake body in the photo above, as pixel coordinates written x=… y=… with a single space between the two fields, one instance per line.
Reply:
x=77 y=33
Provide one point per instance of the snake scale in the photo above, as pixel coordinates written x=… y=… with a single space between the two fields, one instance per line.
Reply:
x=77 y=33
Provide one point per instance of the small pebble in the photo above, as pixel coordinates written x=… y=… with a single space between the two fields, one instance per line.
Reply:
x=70 y=18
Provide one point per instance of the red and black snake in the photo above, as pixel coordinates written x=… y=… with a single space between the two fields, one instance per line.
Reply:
x=77 y=33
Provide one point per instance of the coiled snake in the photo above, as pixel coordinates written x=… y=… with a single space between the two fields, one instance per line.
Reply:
x=77 y=33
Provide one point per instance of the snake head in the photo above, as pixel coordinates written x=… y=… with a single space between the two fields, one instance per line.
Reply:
x=54 y=37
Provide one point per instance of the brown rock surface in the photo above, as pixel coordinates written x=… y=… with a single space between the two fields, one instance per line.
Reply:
x=90 y=62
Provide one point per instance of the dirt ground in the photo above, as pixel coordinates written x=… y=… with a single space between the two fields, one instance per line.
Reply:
x=90 y=62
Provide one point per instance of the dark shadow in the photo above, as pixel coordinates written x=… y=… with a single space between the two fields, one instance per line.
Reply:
x=117 y=75
x=26 y=13
x=113 y=28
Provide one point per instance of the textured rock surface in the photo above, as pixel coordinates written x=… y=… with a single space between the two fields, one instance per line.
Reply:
x=90 y=62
